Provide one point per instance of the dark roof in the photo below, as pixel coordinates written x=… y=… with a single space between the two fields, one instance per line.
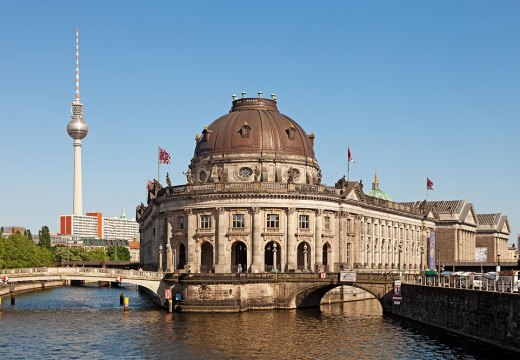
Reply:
x=268 y=131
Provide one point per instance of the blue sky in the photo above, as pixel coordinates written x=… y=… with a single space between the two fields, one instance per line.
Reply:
x=418 y=88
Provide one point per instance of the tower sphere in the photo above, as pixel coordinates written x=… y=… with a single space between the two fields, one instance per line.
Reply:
x=77 y=127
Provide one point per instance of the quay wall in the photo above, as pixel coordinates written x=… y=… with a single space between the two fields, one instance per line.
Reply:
x=483 y=315
x=28 y=286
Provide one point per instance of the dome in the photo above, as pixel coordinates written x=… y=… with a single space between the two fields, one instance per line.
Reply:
x=378 y=193
x=254 y=125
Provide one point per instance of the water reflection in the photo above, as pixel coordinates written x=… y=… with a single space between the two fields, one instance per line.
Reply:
x=81 y=323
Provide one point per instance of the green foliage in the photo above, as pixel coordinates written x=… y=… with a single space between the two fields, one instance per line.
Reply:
x=45 y=237
x=28 y=234
x=118 y=253
x=17 y=251
x=63 y=254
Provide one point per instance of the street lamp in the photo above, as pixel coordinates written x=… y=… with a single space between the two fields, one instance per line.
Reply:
x=305 y=258
x=400 y=251
x=274 y=258
x=422 y=255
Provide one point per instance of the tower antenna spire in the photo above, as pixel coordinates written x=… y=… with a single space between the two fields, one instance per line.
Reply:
x=77 y=65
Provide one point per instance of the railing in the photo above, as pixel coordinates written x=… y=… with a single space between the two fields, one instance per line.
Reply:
x=500 y=285
x=80 y=270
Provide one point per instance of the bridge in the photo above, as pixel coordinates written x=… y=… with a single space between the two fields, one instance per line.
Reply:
x=249 y=291
x=150 y=280
x=217 y=292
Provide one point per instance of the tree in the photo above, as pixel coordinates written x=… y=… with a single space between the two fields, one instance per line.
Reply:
x=45 y=237
x=18 y=251
x=28 y=234
x=118 y=253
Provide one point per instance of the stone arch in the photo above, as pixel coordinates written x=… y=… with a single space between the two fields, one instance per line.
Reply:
x=303 y=256
x=326 y=256
x=206 y=257
x=238 y=256
x=269 y=258
x=311 y=296
x=181 y=256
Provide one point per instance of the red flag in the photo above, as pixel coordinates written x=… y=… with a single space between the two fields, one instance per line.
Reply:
x=350 y=159
x=429 y=184
x=164 y=156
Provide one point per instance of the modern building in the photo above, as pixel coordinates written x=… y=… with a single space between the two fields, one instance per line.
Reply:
x=93 y=225
x=254 y=201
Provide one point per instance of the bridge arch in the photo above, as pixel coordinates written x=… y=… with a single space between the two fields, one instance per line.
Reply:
x=310 y=296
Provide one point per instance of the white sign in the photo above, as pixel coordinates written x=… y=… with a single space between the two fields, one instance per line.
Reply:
x=347 y=276
x=481 y=254
x=397 y=297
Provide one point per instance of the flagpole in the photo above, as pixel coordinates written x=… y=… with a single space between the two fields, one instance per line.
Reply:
x=158 y=162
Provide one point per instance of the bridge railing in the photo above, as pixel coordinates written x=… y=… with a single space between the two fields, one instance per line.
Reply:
x=81 y=270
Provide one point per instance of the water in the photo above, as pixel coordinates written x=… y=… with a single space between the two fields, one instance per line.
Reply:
x=88 y=323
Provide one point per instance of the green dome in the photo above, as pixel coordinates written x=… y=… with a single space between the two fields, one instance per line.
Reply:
x=377 y=192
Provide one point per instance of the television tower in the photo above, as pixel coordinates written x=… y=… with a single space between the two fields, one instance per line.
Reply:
x=77 y=129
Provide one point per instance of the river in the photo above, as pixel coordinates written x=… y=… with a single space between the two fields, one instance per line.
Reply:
x=88 y=323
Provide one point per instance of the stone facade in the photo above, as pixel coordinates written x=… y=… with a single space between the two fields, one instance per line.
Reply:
x=493 y=233
x=254 y=202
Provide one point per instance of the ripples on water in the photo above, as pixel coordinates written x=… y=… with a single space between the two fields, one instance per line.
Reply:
x=88 y=323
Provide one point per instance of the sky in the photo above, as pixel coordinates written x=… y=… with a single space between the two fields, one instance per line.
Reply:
x=417 y=88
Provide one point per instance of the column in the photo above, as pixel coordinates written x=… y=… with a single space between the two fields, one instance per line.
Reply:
x=334 y=262
x=191 y=231
x=220 y=246
x=342 y=238
x=358 y=243
x=169 y=262
x=318 y=250
x=291 y=240
x=256 y=240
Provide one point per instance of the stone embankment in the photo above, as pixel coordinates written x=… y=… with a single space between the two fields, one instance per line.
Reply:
x=486 y=316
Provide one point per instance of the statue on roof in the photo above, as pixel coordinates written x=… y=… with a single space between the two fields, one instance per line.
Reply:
x=168 y=180
x=341 y=183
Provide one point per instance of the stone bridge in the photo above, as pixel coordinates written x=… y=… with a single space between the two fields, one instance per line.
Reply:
x=152 y=281
x=242 y=292
x=215 y=292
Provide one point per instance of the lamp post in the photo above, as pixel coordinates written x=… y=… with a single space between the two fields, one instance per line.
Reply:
x=274 y=258
x=305 y=258
x=422 y=255
x=439 y=272
x=498 y=270
x=400 y=251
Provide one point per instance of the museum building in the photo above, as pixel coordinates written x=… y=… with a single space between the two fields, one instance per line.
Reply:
x=254 y=201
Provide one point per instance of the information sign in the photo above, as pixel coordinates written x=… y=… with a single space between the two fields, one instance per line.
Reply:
x=347 y=276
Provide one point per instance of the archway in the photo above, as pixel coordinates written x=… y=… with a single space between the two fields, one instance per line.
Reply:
x=303 y=256
x=206 y=257
x=269 y=251
x=326 y=255
x=239 y=257
x=182 y=256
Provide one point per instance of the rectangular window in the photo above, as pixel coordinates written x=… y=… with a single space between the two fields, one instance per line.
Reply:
x=205 y=222
x=326 y=222
x=369 y=229
x=239 y=221
x=180 y=222
x=273 y=221
x=349 y=225
x=304 y=222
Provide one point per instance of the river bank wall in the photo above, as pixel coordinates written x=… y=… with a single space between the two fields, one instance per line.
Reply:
x=482 y=315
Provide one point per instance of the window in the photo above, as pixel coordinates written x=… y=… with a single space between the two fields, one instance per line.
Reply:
x=326 y=222
x=291 y=132
x=369 y=229
x=245 y=130
x=180 y=222
x=304 y=222
x=349 y=225
x=273 y=221
x=239 y=221
x=205 y=222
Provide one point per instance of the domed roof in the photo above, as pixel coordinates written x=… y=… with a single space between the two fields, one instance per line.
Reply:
x=378 y=193
x=254 y=125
